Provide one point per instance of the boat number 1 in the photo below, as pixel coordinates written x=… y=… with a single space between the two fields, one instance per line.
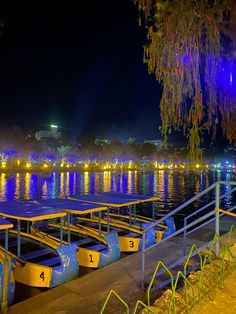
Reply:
x=91 y=258
x=42 y=275
x=131 y=243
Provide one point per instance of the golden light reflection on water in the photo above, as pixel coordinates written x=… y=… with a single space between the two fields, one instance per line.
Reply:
x=67 y=179
x=3 y=186
x=62 y=184
x=17 y=191
x=135 y=181
x=159 y=182
x=97 y=180
x=27 y=185
x=86 y=182
x=106 y=181
x=130 y=185
x=172 y=187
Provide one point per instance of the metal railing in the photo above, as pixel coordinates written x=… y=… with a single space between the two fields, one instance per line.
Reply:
x=197 y=212
x=198 y=289
x=200 y=222
x=112 y=292
x=216 y=276
x=127 y=309
x=215 y=271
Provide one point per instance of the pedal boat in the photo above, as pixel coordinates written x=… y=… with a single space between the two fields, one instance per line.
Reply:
x=7 y=281
x=95 y=250
x=161 y=230
x=130 y=236
x=39 y=263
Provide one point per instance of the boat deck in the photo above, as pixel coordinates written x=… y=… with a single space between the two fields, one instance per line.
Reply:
x=87 y=294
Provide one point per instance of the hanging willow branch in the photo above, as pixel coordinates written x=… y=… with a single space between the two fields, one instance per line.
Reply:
x=191 y=50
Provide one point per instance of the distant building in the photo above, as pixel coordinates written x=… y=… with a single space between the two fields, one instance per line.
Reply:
x=53 y=133
x=157 y=143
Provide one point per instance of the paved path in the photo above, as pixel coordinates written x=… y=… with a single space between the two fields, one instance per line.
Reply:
x=87 y=294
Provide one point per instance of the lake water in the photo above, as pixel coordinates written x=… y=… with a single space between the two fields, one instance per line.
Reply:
x=172 y=187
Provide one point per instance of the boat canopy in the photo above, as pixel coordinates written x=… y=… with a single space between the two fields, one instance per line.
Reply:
x=5 y=224
x=73 y=206
x=29 y=211
x=115 y=199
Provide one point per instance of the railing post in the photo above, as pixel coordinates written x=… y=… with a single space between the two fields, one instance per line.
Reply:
x=134 y=213
x=99 y=223
x=185 y=237
x=68 y=228
x=61 y=230
x=217 y=215
x=108 y=220
x=18 y=238
x=4 y=304
x=130 y=215
x=143 y=262
x=153 y=211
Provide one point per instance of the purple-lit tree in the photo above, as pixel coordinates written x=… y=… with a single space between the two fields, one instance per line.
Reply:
x=191 y=49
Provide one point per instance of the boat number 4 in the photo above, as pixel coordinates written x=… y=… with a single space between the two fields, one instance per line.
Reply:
x=42 y=275
x=131 y=243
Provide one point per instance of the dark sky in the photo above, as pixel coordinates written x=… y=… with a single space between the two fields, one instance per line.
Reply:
x=78 y=64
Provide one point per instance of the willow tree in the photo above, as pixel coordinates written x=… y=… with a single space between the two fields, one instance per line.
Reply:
x=191 y=49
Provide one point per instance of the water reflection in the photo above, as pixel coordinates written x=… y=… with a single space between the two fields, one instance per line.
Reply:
x=106 y=181
x=86 y=182
x=130 y=181
x=173 y=188
x=17 y=189
x=3 y=187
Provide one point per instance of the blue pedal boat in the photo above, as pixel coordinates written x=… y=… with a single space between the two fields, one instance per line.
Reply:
x=39 y=262
x=130 y=235
x=95 y=249
x=161 y=230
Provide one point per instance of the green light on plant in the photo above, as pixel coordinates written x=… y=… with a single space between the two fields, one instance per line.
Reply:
x=54 y=126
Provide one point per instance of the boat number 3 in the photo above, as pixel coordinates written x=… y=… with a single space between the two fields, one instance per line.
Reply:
x=131 y=243
x=91 y=258
x=42 y=275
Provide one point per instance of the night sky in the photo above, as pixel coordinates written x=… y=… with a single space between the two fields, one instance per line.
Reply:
x=78 y=64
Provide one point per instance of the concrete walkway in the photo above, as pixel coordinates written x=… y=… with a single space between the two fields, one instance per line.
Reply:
x=87 y=294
